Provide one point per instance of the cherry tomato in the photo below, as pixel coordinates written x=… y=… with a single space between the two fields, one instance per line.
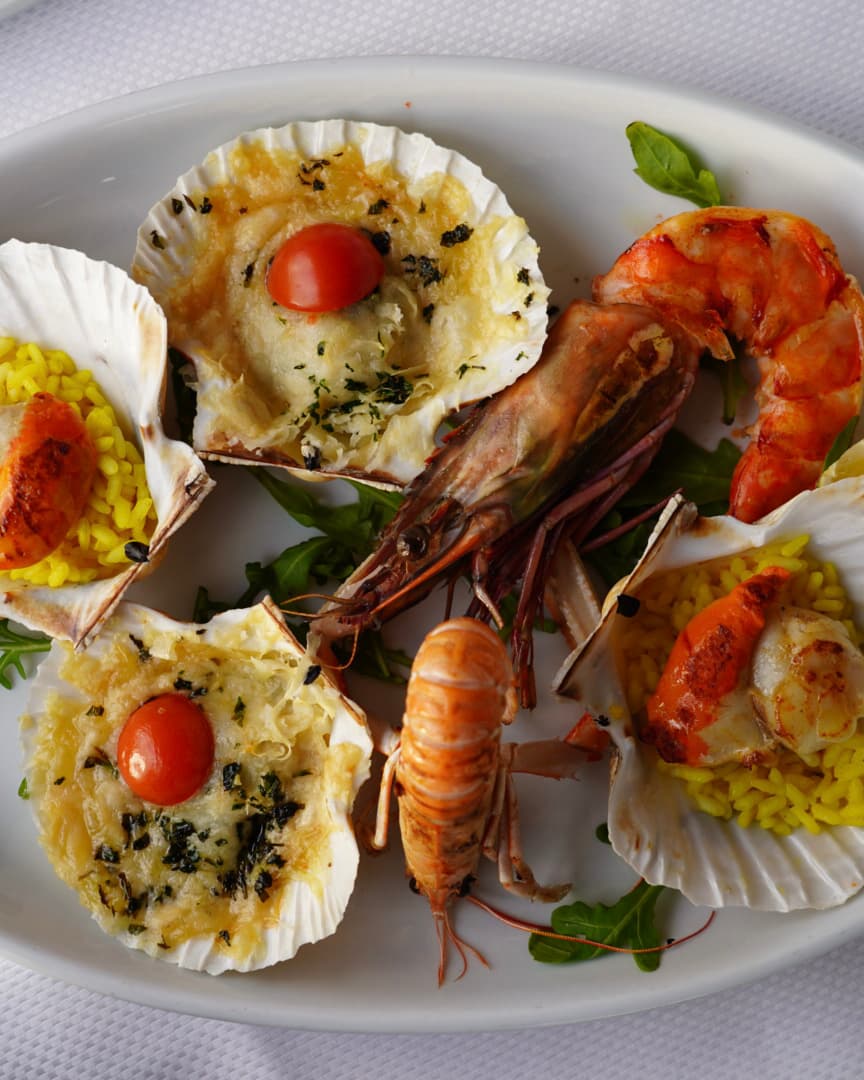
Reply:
x=165 y=750
x=324 y=267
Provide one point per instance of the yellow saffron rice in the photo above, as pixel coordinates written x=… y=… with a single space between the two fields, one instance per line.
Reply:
x=119 y=509
x=825 y=788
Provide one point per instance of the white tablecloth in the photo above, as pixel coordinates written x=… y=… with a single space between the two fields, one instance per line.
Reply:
x=790 y=56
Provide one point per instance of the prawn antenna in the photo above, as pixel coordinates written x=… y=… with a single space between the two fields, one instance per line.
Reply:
x=355 y=639
x=447 y=936
x=631 y=523
x=330 y=599
x=547 y=931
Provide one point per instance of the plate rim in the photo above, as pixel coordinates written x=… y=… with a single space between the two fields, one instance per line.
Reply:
x=188 y=91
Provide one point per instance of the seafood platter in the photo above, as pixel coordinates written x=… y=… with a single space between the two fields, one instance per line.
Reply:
x=413 y=560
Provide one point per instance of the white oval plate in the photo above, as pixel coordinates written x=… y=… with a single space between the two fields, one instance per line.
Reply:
x=553 y=138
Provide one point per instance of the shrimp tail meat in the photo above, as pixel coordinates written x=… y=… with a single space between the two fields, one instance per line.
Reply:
x=772 y=282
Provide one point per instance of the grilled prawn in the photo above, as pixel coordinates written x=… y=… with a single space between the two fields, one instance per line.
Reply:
x=452 y=774
x=557 y=448
x=774 y=282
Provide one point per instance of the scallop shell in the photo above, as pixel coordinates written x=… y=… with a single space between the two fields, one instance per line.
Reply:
x=164 y=259
x=61 y=299
x=652 y=823
x=304 y=910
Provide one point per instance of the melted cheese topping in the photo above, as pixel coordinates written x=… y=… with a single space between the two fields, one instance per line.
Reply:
x=216 y=865
x=325 y=387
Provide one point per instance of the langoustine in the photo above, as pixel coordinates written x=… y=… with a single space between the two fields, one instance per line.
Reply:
x=453 y=776
x=772 y=281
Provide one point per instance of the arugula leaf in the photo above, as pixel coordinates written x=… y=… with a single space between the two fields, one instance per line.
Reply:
x=842 y=443
x=14 y=646
x=507 y=609
x=629 y=924
x=356 y=525
x=374 y=658
x=185 y=398
x=349 y=533
x=735 y=386
x=292 y=572
x=702 y=475
x=666 y=165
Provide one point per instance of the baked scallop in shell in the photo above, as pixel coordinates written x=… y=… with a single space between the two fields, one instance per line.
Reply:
x=727 y=667
x=339 y=288
x=92 y=487
x=221 y=839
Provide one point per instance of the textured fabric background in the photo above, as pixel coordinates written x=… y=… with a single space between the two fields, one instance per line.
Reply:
x=795 y=57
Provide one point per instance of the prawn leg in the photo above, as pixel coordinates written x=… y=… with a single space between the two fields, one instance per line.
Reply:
x=378 y=840
x=502 y=842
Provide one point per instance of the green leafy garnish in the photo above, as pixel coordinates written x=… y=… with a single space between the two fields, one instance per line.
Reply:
x=666 y=165
x=374 y=658
x=14 y=646
x=842 y=443
x=185 y=398
x=24 y=789
x=349 y=534
x=507 y=609
x=703 y=476
x=354 y=525
x=628 y=924
x=735 y=386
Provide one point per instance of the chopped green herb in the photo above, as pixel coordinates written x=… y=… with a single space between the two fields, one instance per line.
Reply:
x=458 y=235
x=380 y=241
x=105 y=853
x=393 y=388
x=24 y=789
x=378 y=207
x=157 y=241
x=230 y=772
x=99 y=759
x=143 y=651
x=424 y=267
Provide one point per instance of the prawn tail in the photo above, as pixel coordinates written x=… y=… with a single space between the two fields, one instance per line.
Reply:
x=447 y=936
